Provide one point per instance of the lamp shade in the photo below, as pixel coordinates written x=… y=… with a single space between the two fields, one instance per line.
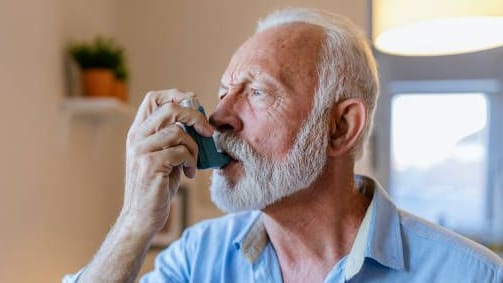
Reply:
x=436 y=27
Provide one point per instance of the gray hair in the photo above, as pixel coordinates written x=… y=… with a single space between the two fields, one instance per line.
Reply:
x=346 y=68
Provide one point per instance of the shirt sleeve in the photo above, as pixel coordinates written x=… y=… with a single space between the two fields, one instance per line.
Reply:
x=173 y=264
x=72 y=278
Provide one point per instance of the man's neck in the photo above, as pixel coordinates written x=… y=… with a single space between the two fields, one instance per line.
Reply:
x=316 y=227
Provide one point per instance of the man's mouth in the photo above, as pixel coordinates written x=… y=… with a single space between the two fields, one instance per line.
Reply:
x=234 y=159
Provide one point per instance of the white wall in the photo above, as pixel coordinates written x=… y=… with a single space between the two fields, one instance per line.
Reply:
x=61 y=186
x=56 y=202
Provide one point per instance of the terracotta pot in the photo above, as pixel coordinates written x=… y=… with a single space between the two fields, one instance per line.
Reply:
x=120 y=90
x=97 y=82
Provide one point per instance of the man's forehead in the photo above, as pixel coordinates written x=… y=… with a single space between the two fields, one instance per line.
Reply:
x=238 y=77
x=277 y=52
x=290 y=34
x=286 y=40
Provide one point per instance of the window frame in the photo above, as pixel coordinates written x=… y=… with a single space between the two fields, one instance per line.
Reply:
x=492 y=89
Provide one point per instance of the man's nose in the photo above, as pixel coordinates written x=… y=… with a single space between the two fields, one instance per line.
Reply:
x=226 y=117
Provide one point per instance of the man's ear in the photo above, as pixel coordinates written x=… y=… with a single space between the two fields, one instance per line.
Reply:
x=348 y=119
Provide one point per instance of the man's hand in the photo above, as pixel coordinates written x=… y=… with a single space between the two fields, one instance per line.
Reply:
x=158 y=150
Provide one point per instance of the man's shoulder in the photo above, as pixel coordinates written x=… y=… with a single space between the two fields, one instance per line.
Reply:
x=429 y=240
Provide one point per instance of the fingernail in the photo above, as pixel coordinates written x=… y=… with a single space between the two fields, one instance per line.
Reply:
x=192 y=172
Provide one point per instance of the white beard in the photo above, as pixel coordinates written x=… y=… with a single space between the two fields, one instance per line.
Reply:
x=265 y=180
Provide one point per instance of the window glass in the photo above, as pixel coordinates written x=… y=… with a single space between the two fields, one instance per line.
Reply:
x=439 y=157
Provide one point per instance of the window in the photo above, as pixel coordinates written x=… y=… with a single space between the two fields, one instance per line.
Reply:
x=437 y=150
x=439 y=146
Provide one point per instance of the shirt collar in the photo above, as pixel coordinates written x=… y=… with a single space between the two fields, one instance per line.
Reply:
x=378 y=237
x=385 y=237
x=356 y=256
x=253 y=238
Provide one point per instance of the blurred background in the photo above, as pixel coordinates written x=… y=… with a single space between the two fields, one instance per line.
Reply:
x=436 y=146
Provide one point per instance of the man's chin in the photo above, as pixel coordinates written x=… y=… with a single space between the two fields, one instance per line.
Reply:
x=220 y=189
x=230 y=197
x=231 y=172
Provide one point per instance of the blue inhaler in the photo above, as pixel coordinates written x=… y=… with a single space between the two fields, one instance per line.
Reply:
x=210 y=156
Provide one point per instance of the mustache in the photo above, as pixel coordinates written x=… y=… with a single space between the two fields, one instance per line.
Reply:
x=235 y=147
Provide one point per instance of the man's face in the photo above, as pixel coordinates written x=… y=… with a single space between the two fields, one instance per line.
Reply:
x=266 y=97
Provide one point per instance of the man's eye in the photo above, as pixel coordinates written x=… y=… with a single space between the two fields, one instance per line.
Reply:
x=221 y=93
x=257 y=92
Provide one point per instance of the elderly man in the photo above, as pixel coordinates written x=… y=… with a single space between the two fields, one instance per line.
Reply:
x=295 y=107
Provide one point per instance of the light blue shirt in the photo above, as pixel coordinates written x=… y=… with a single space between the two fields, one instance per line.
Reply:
x=391 y=246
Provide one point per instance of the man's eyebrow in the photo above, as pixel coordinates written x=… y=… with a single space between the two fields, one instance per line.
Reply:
x=250 y=77
x=222 y=85
x=267 y=78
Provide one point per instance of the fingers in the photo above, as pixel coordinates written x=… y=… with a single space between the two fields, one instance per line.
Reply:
x=170 y=136
x=154 y=99
x=170 y=113
x=169 y=158
x=189 y=171
x=157 y=142
x=157 y=152
x=178 y=156
x=167 y=149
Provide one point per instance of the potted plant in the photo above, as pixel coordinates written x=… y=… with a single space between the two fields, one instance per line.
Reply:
x=98 y=61
x=121 y=77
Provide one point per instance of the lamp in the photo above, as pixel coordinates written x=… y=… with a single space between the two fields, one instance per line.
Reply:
x=436 y=27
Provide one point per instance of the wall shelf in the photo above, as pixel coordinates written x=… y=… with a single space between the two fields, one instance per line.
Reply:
x=104 y=114
x=97 y=107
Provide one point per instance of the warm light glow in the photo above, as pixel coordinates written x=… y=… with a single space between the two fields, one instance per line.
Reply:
x=426 y=28
x=442 y=37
